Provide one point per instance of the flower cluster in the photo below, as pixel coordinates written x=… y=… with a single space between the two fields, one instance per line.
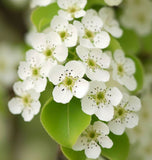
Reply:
x=84 y=36
x=137 y=15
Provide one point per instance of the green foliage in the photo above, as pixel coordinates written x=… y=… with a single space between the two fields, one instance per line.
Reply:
x=92 y=3
x=120 y=149
x=73 y=155
x=139 y=75
x=64 y=122
x=41 y=17
x=147 y=43
x=130 y=42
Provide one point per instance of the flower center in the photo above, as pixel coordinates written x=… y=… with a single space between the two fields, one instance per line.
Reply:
x=91 y=63
x=63 y=35
x=69 y=82
x=99 y=97
x=92 y=135
x=72 y=9
x=35 y=72
x=120 y=70
x=89 y=34
x=27 y=100
x=48 y=53
x=119 y=112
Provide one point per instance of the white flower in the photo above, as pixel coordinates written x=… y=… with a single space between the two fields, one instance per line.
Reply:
x=96 y=62
x=124 y=70
x=92 y=138
x=51 y=46
x=66 y=31
x=32 y=71
x=71 y=8
x=26 y=102
x=35 y=3
x=111 y=25
x=101 y=100
x=125 y=114
x=90 y=31
x=69 y=82
x=9 y=58
x=113 y=2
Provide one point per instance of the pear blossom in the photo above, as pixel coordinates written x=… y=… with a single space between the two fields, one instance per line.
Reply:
x=100 y=100
x=35 y=3
x=25 y=103
x=113 y=2
x=124 y=70
x=96 y=63
x=69 y=82
x=51 y=46
x=71 y=9
x=111 y=25
x=125 y=114
x=92 y=138
x=90 y=31
x=32 y=71
x=66 y=31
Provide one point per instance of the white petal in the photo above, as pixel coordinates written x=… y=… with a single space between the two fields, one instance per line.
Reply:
x=15 y=105
x=102 y=40
x=18 y=88
x=82 y=52
x=79 y=27
x=134 y=104
x=116 y=127
x=105 y=141
x=101 y=127
x=57 y=74
x=93 y=150
x=71 y=40
x=119 y=56
x=88 y=106
x=35 y=107
x=24 y=70
x=96 y=86
x=86 y=43
x=27 y=114
x=34 y=95
x=105 y=113
x=131 y=120
x=98 y=75
x=79 y=14
x=40 y=84
x=62 y=95
x=34 y=58
x=65 y=14
x=77 y=68
x=80 y=144
x=114 y=95
x=104 y=60
x=113 y=2
x=61 y=53
x=80 y=88
x=59 y=23
x=129 y=82
x=129 y=66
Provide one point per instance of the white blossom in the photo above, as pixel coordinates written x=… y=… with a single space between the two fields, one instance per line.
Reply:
x=9 y=58
x=113 y=2
x=51 y=46
x=124 y=70
x=26 y=103
x=67 y=32
x=125 y=114
x=69 y=82
x=96 y=63
x=92 y=138
x=71 y=9
x=110 y=24
x=35 y=3
x=90 y=31
x=100 y=100
x=32 y=71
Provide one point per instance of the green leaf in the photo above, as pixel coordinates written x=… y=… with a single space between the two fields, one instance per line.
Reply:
x=120 y=149
x=130 y=42
x=147 y=43
x=92 y=3
x=73 y=155
x=64 y=122
x=139 y=75
x=42 y=16
x=114 y=45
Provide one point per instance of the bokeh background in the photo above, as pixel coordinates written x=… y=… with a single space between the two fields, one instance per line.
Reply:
x=29 y=141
